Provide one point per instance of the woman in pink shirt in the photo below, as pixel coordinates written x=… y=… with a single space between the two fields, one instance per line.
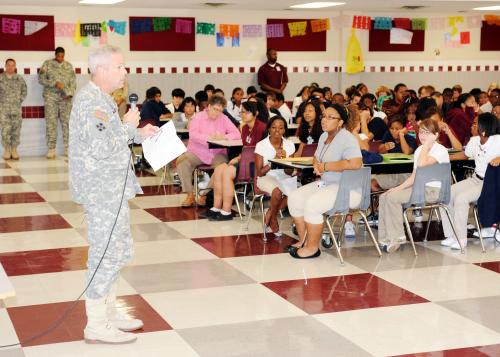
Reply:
x=209 y=124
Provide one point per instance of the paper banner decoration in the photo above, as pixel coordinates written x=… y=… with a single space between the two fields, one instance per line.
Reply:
x=436 y=23
x=229 y=30
x=453 y=21
x=402 y=23
x=382 y=23
x=219 y=40
x=297 y=28
x=204 y=28
x=93 y=29
x=104 y=33
x=361 y=22
x=235 y=41
x=275 y=30
x=86 y=41
x=354 y=57
x=77 y=36
x=161 y=24
x=141 y=25
x=252 y=31
x=11 y=26
x=183 y=26
x=449 y=42
x=342 y=21
x=400 y=36
x=419 y=24
x=492 y=19
x=30 y=27
x=64 y=29
x=320 y=25
x=117 y=26
x=465 y=38
x=474 y=22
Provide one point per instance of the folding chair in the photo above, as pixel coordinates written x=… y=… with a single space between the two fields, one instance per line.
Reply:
x=245 y=175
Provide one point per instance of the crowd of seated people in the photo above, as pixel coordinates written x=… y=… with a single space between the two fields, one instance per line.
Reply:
x=425 y=123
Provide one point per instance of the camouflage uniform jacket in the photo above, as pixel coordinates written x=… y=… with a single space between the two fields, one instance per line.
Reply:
x=52 y=72
x=13 y=91
x=98 y=149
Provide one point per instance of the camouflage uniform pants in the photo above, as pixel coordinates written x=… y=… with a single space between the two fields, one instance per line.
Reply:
x=100 y=219
x=56 y=108
x=11 y=122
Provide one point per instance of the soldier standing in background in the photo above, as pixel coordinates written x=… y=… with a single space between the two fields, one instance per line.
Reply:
x=59 y=85
x=12 y=93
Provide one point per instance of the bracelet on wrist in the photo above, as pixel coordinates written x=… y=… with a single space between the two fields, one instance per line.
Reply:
x=324 y=167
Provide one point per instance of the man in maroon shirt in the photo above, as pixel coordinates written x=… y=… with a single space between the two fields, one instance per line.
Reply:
x=272 y=76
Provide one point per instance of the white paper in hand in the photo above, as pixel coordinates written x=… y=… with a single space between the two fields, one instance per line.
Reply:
x=163 y=147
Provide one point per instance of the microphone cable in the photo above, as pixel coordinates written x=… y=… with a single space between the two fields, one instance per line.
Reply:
x=63 y=317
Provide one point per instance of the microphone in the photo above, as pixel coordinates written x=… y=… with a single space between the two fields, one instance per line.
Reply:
x=133 y=98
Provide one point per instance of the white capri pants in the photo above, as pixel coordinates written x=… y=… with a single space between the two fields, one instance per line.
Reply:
x=267 y=184
x=312 y=201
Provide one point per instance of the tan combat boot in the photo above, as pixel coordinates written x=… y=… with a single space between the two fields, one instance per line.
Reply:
x=51 y=154
x=14 y=154
x=6 y=153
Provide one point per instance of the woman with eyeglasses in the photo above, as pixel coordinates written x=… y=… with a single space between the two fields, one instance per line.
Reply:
x=338 y=150
x=484 y=149
x=390 y=229
x=252 y=131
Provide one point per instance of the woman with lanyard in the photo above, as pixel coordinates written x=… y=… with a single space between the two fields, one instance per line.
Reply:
x=252 y=131
x=484 y=148
x=275 y=146
x=309 y=129
x=338 y=150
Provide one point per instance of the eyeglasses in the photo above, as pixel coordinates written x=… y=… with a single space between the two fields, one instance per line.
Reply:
x=424 y=132
x=216 y=108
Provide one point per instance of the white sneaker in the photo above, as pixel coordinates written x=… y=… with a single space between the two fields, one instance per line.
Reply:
x=455 y=245
x=389 y=246
x=448 y=242
x=418 y=216
x=349 y=230
x=486 y=233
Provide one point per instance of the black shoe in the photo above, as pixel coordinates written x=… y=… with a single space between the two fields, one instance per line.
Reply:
x=295 y=253
x=290 y=247
x=221 y=217
x=210 y=213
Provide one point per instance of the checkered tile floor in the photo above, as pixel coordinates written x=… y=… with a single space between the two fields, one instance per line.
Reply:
x=215 y=289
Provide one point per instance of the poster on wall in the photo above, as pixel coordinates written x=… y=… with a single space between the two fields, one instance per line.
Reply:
x=26 y=33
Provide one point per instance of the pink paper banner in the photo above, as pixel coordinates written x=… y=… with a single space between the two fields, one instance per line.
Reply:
x=275 y=30
x=64 y=29
x=252 y=30
x=11 y=26
x=183 y=26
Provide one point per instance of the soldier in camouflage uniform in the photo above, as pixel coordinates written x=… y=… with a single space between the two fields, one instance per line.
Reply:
x=59 y=85
x=12 y=93
x=102 y=180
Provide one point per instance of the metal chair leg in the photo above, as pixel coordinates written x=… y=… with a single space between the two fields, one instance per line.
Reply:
x=478 y=226
x=428 y=224
x=337 y=248
x=407 y=225
x=251 y=210
x=238 y=205
x=452 y=224
x=195 y=179
x=264 y=228
x=342 y=223
x=370 y=232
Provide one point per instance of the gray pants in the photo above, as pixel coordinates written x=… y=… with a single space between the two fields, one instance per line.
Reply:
x=463 y=194
x=100 y=219
x=54 y=109
x=186 y=164
x=11 y=122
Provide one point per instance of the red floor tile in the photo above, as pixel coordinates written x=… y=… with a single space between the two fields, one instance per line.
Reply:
x=495 y=266
x=32 y=223
x=44 y=261
x=20 y=197
x=72 y=328
x=173 y=214
x=342 y=293
x=11 y=179
x=244 y=245
x=162 y=190
x=482 y=351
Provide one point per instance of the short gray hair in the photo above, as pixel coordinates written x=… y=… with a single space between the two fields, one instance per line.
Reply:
x=101 y=56
x=217 y=99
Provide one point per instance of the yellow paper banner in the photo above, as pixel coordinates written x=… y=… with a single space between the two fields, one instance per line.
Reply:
x=297 y=28
x=453 y=21
x=77 y=38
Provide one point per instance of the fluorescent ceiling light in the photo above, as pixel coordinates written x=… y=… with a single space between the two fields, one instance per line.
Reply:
x=316 y=5
x=488 y=8
x=99 y=2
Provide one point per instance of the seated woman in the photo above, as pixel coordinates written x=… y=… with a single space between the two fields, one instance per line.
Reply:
x=309 y=129
x=234 y=105
x=390 y=229
x=461 y=116
x=396 y=140
x=252 y=131
x=484 y=148
x=447 y=137
x=337 y=151
x=354 y=126
x=301 y=97
x=188 y=110
x=206 y=125
x=373 y=127
x=274 y=146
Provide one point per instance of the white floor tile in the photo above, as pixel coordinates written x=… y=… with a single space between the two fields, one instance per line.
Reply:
x=26 y=209
x=37 y=240
x=169 y=251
